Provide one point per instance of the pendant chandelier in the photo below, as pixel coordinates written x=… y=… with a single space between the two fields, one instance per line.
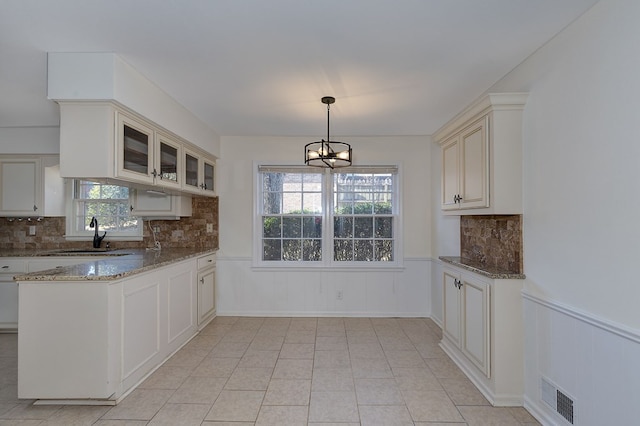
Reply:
x=327 y=153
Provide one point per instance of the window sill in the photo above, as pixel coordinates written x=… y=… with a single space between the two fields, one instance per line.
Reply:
x=329 y=268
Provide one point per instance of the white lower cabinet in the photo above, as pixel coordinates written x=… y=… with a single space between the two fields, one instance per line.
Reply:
x=95 y=340
x=466 y=317
x=206 y=289
x=9 y=292
x=482 y=332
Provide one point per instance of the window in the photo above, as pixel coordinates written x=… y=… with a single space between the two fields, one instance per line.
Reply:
x=109 y=204
x=319 y=217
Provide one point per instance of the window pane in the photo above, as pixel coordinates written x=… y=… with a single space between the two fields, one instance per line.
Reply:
x=343 y=227
x=384 y=250
x=363 y=207
x=311 y=250
x=384 y=227
x=292 y=202
x=292 y=182
x=272 y=203
x=343 y=250
x=344 y=207
x=271 y=227
x=312 y=227
x=363 y=227
x=312 y=203
x=271 y=250
x=291 y=250
x=363 y=250
x=312 y=182
x=291 y=227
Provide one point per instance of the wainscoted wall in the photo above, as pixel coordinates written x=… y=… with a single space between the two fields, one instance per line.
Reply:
x=590 y=359
x=243 y=290
x=494 y=240
x=188 y=232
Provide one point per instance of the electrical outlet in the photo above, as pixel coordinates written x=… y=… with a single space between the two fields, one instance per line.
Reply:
x=32 y=230
x=156 y=229
x=339 y=295
x=209 y=227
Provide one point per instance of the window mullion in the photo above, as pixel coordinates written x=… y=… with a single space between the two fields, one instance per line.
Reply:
x=327 y=238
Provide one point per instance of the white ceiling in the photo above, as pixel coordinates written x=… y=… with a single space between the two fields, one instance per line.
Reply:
x=258 y=67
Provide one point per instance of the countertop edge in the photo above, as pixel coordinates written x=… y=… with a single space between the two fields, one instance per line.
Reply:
x=465 y=264
x=133 y=263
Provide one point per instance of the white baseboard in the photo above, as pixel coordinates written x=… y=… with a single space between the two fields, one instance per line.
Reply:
x=222 y=313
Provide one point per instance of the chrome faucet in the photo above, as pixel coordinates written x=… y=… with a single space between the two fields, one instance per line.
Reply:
x=96 y=238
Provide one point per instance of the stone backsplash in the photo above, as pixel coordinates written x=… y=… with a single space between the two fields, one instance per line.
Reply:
x=188 y=232
x=494 y=240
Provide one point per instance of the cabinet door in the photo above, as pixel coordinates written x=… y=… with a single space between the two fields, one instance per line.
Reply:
x=191 y=172
x=475 y=344
x=168 y=162
x=451 y=326
x=474 y=165
x=450 y=173
x=20 y=187
x=208 y=179
x=135 y=150
x=206 y=294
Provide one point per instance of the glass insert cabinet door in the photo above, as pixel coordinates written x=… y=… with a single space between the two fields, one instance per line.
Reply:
x=136 y=150
x=208 y=176
x=168 y=162
x=191 y=170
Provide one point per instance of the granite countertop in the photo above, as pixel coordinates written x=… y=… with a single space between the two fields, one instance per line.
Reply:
x=119 y=263
x=482 y=269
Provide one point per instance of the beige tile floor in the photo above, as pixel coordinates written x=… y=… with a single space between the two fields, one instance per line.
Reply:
x=286 y=371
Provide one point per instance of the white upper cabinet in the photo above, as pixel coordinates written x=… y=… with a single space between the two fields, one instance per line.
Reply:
x=31 y=185
x=153 y=205
x=482 y=157
x=135 y=150
x=102 y=140
x=199 y=172
x=146 y=155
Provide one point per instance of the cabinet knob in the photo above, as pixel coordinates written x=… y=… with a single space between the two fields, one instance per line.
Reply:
x=35 y=208
x=130 y=208
x=155 y=173
x=201 y=280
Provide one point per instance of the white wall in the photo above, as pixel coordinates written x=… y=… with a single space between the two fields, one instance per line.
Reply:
x=244 y=290
x=581 y=210
x=30 y=140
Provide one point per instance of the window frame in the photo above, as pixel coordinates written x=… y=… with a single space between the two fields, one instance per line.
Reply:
x=71 y=223
x=328 y=214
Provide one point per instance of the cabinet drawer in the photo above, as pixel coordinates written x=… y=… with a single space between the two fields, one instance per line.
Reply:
x=12 y=266
x=207 y=261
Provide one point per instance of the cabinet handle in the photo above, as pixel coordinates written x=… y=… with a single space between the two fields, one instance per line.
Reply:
x=5 y=267
x=210 y=260
x=35 y=208
x=155 y=173
x=201 y=280
x=130 y=208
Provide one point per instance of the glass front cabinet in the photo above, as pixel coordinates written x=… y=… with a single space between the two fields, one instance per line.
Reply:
x=146 y=155
x=199 y=173
x=150 y=156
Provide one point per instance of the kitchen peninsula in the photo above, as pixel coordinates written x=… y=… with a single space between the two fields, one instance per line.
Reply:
x=89 y=333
